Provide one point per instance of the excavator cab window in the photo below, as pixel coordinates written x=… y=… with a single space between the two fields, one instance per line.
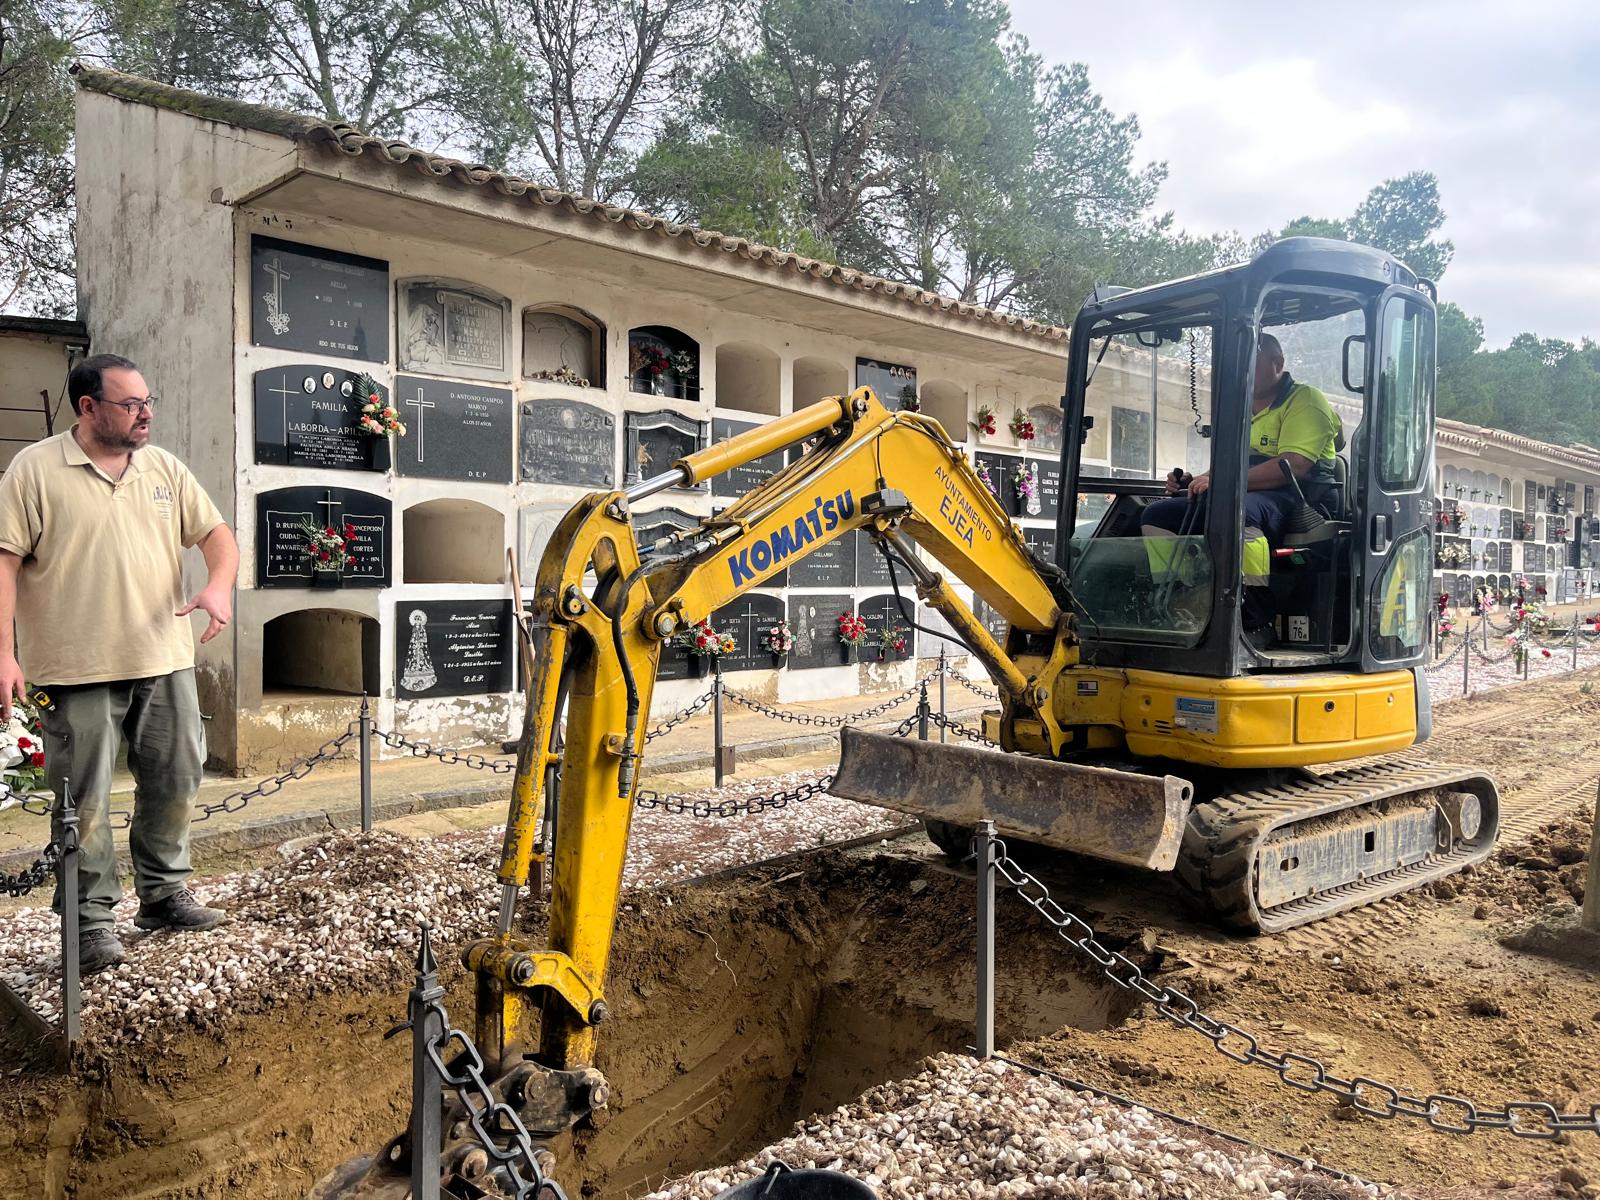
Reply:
x=1141 y=562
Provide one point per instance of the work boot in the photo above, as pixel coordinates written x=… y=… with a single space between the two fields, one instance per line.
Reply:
x=178 y=911
x=97 y=950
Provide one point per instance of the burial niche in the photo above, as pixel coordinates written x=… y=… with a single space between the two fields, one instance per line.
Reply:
x=562 y=344
x=453 y=541
x=946 y=403
x=663 y=361
x=320 y=650
x=748 y=378
x=817 y=379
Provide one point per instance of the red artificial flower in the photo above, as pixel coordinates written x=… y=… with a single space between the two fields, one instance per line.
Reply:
x=375 y=398
x=1546 y=653
x=36 y=759
x=24 y=743
x=330 y=532
x=323 y=555
x=349 y=530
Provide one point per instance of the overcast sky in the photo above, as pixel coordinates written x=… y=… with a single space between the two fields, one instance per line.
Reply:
x=1268 y=111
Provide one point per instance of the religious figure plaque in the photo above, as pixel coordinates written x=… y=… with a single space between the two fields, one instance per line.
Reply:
x=454 y=648
x=814 y=621
x=318 y=301
x=452 y=328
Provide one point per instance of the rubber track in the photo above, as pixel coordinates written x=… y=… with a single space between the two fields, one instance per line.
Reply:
x=1224 y=838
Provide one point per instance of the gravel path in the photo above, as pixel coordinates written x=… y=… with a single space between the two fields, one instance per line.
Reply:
x=975 y=1130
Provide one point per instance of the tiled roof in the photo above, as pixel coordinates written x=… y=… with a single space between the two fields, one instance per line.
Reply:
x=345 y=139
x=1477 y=439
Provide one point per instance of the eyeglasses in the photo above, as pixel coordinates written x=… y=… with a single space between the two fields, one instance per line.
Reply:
x=148 y=404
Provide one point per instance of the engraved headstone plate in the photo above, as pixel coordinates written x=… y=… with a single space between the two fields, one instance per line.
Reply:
x=748 y=618
x=990 y=619
x=943 y=634
x=452 y=328
x=1002 y=470
x=305 y=416
x=650 y=527
x=564 y=441
x=318 y=301
x=882 y=615
x=453 y=430
x=741 y=479
x=830 y=565
x=279 y=539
x=872 y=571
x=814 y=619
x=1048 y=471
x=453 y=648
x=1505 y=556
x=1041 y=541
x=658 y=439
x=1505 y=523
x=891 y=382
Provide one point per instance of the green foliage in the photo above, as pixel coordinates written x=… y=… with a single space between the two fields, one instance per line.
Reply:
x=1399 y=215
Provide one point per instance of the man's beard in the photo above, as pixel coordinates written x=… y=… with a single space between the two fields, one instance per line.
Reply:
x=130 y=441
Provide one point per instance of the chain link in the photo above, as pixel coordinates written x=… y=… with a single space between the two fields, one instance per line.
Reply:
x=679 y=717
x=794 y=718
x=741 y=806
x=493 y=1121
x=42 y=871
x=960 y=730
x=1443 y=1112
x=1439 y=663
x=398 y=741
x=981 y=692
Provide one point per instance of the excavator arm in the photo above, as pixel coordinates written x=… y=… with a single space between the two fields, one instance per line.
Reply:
x=601 y=613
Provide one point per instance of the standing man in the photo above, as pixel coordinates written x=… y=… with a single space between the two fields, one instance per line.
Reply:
x=93 y=525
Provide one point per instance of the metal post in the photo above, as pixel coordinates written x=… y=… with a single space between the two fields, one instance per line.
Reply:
x=923 y=712
x=984 y=843
x=427 y=1091
x=1466 y=660
x=943 y=732
x=1527 y=653
x=1574 y=636
x=1590 y=917
x=71 y=975
x=365 y=737
x=722 y=755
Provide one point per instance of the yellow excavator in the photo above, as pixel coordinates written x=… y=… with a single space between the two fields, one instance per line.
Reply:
x=1141 y=719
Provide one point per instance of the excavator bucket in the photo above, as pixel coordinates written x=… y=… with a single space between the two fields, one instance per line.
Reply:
x=1120 y=816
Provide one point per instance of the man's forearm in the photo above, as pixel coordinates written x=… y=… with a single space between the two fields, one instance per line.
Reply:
x=1264 y=477
x=221 y=552
x=9 y=566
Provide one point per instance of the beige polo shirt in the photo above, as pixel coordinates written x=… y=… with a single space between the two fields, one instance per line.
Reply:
x=101 y=579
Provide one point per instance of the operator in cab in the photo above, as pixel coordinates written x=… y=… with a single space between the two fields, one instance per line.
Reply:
x=1290 y=422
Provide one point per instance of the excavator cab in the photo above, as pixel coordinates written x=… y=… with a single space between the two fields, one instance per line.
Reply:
x=1161 y=380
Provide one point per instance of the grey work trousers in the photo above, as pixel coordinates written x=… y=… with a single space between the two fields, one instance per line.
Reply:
x=160 y=717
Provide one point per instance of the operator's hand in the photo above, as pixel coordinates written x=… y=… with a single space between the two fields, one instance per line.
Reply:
x=12 y=686
x=1198 y=485
x=1177 y=480
x=215 y=603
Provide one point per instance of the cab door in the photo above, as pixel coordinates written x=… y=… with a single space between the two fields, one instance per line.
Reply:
x=1397 y=476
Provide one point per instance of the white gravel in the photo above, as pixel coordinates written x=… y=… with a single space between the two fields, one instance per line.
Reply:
x=976 y=1130
x=343 y=910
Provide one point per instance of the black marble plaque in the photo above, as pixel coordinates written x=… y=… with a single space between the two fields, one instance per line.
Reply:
x=279 y=540
x=815 y=622
x=736 y=482
x=832 y=565
x=892 y=383
x=1505 y=556
x=882 y=615
x=1588 y=500
x=1506 y=526
x=1533 y=557
x=453 y=648
x=563 y=441
x=658 y=439
x=453 y=430
x=990 y=619
x=650 y=527
x=318 y=301
x=748 y=618
x=872 y=571
x=1041 y=541
x=943 y=634
x=678 y=663
x=306 y=417
x=1002 y=481
x=1049 y=471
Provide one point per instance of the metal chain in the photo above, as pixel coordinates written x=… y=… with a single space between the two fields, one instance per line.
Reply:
x=1443 y=1112
x=679 y=717
x=42 y=871
x=1491 y=659
x=1438 y=663
x=493 y=1121
x=794 y=718
x=980 y=692
x=960 y=730
x=742 y=806
x=327 y=752
x=398 y=741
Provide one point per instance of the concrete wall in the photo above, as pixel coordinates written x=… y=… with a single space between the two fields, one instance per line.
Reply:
x=33 y=376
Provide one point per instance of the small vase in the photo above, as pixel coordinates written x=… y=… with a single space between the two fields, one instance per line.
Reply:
x=327 y=579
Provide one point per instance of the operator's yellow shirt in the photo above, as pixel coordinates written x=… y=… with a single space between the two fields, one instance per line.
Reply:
x=101 y=577
x=1300 y=421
